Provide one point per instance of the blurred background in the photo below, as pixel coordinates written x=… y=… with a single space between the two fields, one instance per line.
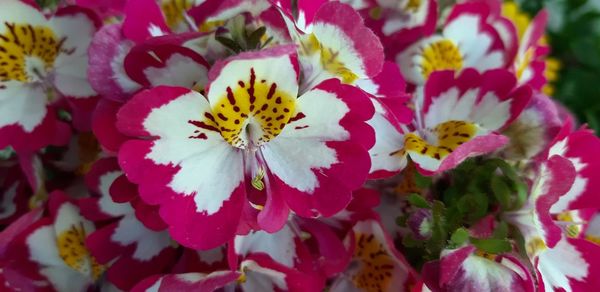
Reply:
x=574 y=35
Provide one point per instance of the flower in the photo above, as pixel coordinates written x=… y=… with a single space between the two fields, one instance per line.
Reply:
x=561 y=258
x=306 y=153
x=376 y=264
x=53 y=249
x=41 y=61
x=456 y=118
x=130 y=250
x=469 y=269
x=468 y=40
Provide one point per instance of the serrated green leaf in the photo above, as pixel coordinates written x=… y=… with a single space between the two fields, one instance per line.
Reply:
x=492 y=245
x=437 y=242
x=418 y=201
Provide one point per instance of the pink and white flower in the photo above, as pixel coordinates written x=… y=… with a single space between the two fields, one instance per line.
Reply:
x=376 y=264
x=130 y=250
x=41 y=61
x=468 y=269
x=337 y=45
x=284 y=152
x=398 y=24
x=457 y=117
x=468 y=40
x=52 y=253
x=533 y=131
x=562 y=257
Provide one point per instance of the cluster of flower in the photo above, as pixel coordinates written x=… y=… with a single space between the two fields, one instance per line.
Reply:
x=258 y=145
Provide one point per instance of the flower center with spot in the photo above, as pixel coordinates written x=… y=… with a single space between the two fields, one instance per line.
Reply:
x=71 y=248
x=376 y=267
x=27 y=52
x=449 y=136
x=441 y=55
x=252 y=113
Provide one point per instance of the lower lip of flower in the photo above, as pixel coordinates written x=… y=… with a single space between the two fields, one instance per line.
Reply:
x=251 y=113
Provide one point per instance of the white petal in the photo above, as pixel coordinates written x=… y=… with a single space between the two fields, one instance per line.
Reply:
x=387 y=141
x=558 y=264
x=280 y=246
x=148 y=243
x=14 y=11
x=107 y=205
x=179 y=70
x=22 y=104
x=71 y=76
x=42 y=247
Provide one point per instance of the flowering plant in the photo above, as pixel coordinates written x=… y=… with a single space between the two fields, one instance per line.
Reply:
x=259 y=145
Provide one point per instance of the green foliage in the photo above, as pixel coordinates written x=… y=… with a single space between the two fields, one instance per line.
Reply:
x=47 y=3
x=477 y=188
x=418 y=201
x=492 y=245
x=576 y=44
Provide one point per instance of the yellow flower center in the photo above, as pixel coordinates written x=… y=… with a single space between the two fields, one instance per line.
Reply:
x=376 y=268
x=174 y=11
x=210 y=25
x=441 y=55
x=487 y=255
x=251 y=113
x=412 y=5
x=593 y=239
x=27 y=52
x=450 y=135
x=328 y=58
x=535 y=246
x=551 y=74
x=71 y=248
x=521 y=20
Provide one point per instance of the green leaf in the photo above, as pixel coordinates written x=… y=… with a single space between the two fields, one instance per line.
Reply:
x=501 y=191
x=410 y=241
x=459 y=237
x=402 y=219
x=421 y=181
x=492 y=245
x=418 y=201
x=474 y=206
x=254 y=38
x=521 y=195
x=229 y=43
x=438 y=233
x=64 y=115
x=501 y=231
